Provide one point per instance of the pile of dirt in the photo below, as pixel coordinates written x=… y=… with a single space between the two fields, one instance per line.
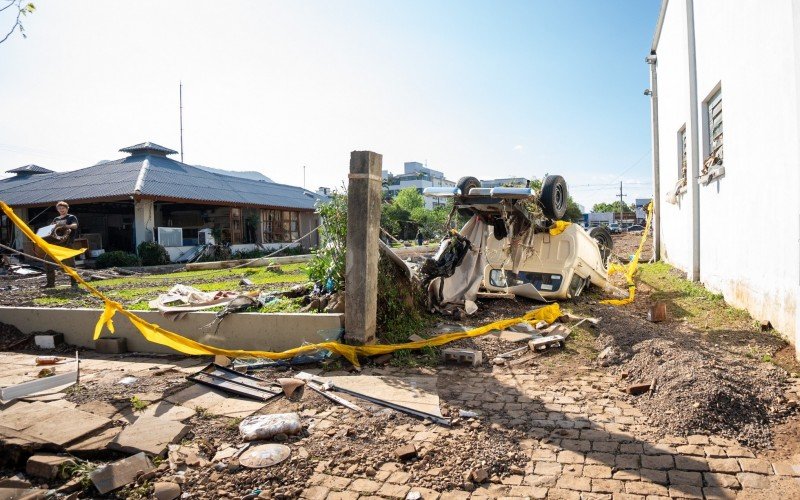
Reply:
x=706 y=391
x=11 y=337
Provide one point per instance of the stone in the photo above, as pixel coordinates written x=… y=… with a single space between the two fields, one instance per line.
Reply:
x=755 y=465
x=786 y=469
x=721 y=480
x=120 y=473
x=479 y=475
x=406 y=452
x=94 y=442
x=163 y=490
x=150 y=435
x=48 y=340
x=723 y=465
x=46 y=465
x=751 y=480
x=657 y=461
x=463 y=356
x=684 y=477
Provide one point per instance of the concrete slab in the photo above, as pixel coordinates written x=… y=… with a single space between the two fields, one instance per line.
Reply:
x=21 y=415
x=95 y=442
x=161 y=409
x=150 y=435
x=64 y=425
x=511 y=336
x=117 y=474
x=214 y=402
x=103 y=409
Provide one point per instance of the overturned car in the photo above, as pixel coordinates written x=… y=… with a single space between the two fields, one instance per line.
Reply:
x=516 y=243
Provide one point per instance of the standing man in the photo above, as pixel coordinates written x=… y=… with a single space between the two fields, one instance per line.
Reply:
x=70 y=222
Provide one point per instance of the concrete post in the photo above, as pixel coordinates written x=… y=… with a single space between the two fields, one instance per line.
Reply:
x=363 y=227
x=144 y=220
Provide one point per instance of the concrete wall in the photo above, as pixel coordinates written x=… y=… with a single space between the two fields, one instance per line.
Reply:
x=250 y=331
x=749 y=218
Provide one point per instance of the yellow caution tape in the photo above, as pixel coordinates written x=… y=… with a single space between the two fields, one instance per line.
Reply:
x=55 y=251
x=158 y=335
x=632 y=266
x=558 y=227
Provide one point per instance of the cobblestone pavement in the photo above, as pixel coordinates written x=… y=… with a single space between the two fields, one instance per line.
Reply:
x=585 y=441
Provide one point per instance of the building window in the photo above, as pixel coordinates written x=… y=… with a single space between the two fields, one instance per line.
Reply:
x=682 y=160
x=714 y=116
x=280 y=226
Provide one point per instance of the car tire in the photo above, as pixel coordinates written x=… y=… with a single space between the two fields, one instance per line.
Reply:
x=465 y=184
x=553 y=198
x=604 y=241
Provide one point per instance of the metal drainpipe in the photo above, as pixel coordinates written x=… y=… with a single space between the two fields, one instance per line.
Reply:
x=652 y=60
x=695 y=141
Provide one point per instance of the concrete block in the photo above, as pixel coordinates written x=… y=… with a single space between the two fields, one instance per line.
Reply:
x=464 y=356
x=111 y=345
x=46 y=465
x=117 y=474
x=150 y=435
x=48 y=340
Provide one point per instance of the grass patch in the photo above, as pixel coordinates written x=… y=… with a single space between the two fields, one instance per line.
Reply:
x=690 y=300
x=137 y=404
x=51 y=301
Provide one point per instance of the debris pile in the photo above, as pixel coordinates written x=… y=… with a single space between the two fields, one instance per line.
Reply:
x=704 y=392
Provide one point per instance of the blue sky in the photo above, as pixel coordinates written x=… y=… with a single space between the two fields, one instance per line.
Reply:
x=489 y=89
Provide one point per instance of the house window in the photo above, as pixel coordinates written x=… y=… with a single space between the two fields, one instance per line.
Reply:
x=714 y=110
x=682 y=163
x=280 y=226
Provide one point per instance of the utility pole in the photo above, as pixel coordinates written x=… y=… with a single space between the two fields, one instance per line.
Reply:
x=621 y=203
x=180 y=103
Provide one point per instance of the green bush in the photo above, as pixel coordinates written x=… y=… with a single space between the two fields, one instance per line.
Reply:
x=152 y=254
x=326 y=268
x=257 y=253
x=117 y=258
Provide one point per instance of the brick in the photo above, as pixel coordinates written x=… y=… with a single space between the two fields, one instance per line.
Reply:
x=684 y=477
x=575 y=483
x=786 y=469
x=721 y=441
x=691 y=449
x=607 y=485
x=750 y=480
x=342 y=495
x=561 y=494
x=627 y=461
x=660 y=449
x=637 y=448
x=605 y=446
x=315 y=493
x=715 y=452
x=686 y=491
x=597 y=471
x=717 y=479
x=697 y=439
x=544 y=454
x=627 y=475
x=463 y=356
x=570 y=457
x=406 y=451
x=335 y=483
x=739 y=452
x=540 y=481
x=653 y=476
x=719 y=493
x=46 y=465
x=599 y=458
x=640 y=488
x=657 y=461
x=755 y=465
x=393 y=490
x=572 y=470
x=426 y=493
x=627 y=496
x=576 y=444
x=455 y=495
x=399 y=477
x=691 y=463
x=547 y=468
x=723 y=465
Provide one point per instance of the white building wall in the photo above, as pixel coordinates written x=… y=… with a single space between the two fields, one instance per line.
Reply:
x=673 y=114
x=749 y=219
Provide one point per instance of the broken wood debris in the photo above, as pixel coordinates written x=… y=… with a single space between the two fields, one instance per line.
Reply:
x=657 y=312
x=638 y=389
x=225 y=379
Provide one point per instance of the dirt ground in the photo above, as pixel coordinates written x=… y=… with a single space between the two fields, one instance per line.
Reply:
x=721 y=421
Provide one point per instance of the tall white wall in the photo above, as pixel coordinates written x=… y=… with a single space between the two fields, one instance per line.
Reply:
x=750 y=218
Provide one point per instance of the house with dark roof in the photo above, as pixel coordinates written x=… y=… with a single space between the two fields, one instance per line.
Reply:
x=148 y=196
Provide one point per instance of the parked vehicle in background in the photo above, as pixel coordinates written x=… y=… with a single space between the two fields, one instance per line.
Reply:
x=614 y=228
x=636 y=229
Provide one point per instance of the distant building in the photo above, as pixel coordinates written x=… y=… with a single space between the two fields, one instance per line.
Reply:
x=418 y=176
x=641 y=209
x=727 y=206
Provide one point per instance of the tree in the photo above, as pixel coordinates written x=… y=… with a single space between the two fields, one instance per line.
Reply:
x=611 y=207
x=22 y=10
x=408 y=199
